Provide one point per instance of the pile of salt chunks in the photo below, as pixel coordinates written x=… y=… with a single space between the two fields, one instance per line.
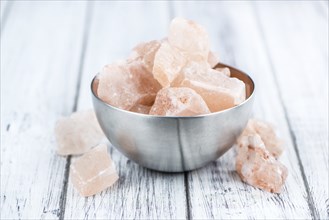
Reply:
x=175 y=76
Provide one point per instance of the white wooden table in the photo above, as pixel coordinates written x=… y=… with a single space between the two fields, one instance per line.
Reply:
x=51 y=50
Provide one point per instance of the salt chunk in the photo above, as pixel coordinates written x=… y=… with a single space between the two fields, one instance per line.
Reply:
x=146 y=52
x=144 y=109
x=213 y=60
x=77 y=133
x=218 y=90
x=266 y=132
x=93 y=172
x=124 y=85
x=226 y=71
x=190 y=38
x=168 y=63
x=257 y=167
x=178 y=102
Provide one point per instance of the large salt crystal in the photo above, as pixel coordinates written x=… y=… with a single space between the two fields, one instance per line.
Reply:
x=168 y=63
x=143 y=109
x=257 y=167
x=190 y=38
x=125 y=85
x=217 y=89
x=146 y=52
x=267 y=133
x=93 y=172
x=77 y=133
x=213 y=60
x=178 y=102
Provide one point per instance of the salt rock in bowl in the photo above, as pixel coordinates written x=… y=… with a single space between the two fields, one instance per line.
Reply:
x=175 y=143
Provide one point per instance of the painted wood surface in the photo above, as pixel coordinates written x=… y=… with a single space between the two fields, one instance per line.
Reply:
x=51 y=50
x=140 y=193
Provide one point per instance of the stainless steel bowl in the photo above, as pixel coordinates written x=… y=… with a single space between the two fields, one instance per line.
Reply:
x=174 y=144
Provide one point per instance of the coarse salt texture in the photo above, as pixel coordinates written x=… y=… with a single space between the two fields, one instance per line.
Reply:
x=213 y=59
x=217 y=89
x=77 y=133
x=178 y=102
x=125 y=85
x=93 y=172
x=145 y=52
x=257 y=167
x=266 y=132
x=168 y=63
x=190 y=38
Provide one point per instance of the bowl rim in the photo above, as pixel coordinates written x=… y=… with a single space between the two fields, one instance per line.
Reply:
x=181 y=117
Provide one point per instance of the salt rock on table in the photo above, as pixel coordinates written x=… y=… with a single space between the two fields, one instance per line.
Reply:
x=257 y=167
x=125 y=85
x=168 y=63
x=190 y=38
x=266 y=132
x=178 y=102
x=146 y=53
x=93 y=172
x=77 y=133
x=217 y=89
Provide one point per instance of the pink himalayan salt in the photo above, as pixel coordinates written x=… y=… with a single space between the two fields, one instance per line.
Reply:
x=93 y=172
x=218 y=90
x=178 y=102
x=226 y=71
x=77 y=133
x=145 y=52
x=257 y=167
x=212 y=59
x=168 y=63
x=143 y=109
x=125 y=85
x=266 y=132
x=190 y=38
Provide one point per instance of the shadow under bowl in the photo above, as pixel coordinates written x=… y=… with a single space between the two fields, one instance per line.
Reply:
x=175 y=143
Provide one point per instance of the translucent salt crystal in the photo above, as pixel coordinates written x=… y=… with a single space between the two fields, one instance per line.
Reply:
x=93 y=172
x=168 y=63
x=257 y=167
x=226 y=71
x=178 y=102
x=213 y=60
x=146 y=53
x=124 y=85
x=218 y=90
x=77 y=133
x=144 y=109
x=266 y=132
x=190 y=38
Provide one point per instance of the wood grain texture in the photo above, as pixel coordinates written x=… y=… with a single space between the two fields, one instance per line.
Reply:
x=50 y=51
x=41 y=50
x=216 y=191
x=140 y=193
x=301 y=68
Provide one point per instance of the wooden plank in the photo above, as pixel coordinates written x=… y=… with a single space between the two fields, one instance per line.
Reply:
x=40 y=49
x=116 y=27
x=5 y=7
x=300 y=62
x=216 y=191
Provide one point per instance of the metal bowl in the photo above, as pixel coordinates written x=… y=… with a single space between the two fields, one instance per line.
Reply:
x=174 y=144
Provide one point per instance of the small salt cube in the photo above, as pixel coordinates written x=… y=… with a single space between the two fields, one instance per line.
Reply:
x=93 y=172
x=77 y=133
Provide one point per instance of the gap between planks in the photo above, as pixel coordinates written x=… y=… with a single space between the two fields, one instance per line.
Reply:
x=310 y=201
x=88 y=17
